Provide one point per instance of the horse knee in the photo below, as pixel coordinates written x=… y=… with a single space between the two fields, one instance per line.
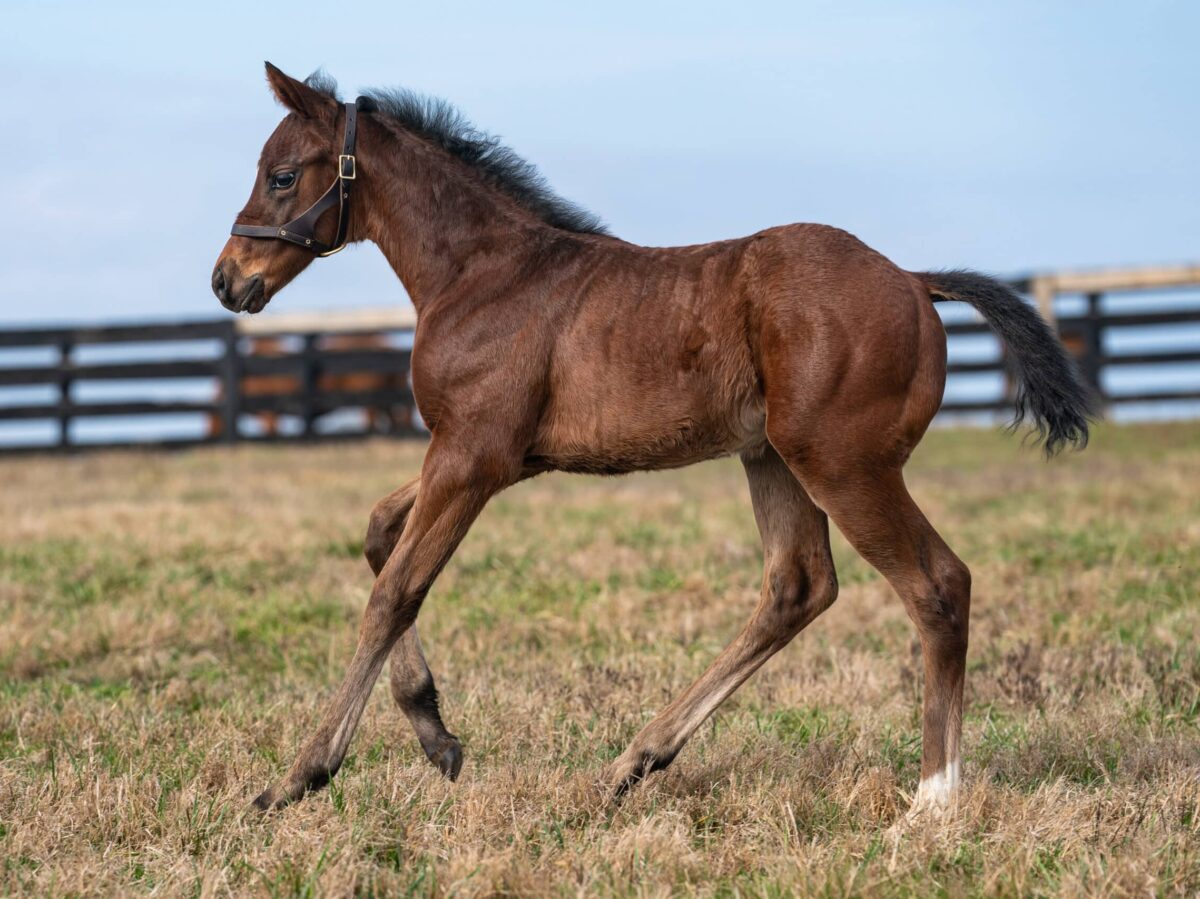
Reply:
x=953 y=577
x=383 y=530
x=824 y=595
x=943 y=613
x=798 y=593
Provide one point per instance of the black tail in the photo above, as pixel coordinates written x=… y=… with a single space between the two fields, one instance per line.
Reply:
x=1050 y=389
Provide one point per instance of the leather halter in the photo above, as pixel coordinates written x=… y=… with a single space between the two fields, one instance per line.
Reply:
x=302 y=229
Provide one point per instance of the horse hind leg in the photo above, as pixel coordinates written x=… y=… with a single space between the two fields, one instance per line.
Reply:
x=412 y=683
x=873 y=509
x=798 y=584
x=846 y=430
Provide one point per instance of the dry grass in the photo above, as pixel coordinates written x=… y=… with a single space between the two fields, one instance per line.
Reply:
x=170 y=624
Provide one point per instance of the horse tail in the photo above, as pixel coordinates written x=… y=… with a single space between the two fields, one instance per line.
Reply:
x=1050 y=389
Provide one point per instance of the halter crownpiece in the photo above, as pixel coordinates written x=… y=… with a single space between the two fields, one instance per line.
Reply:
x=302 y=229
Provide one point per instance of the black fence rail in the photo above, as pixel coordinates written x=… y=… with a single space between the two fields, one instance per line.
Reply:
x=232 y=380
x=230 y=386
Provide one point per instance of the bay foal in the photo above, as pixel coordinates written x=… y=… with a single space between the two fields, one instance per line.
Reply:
x=543 y=343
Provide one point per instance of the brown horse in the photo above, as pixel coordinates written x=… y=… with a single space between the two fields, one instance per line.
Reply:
x=544 y=343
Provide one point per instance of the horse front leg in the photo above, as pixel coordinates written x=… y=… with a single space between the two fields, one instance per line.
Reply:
x=456 y=483
x=412 y=682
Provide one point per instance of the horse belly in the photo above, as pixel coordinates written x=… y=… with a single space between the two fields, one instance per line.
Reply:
x=626 y=425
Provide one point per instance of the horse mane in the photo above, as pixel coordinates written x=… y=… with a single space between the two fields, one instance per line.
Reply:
x=440 y=123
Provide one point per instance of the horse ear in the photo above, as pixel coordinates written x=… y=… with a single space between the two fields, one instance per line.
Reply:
x=299 y=97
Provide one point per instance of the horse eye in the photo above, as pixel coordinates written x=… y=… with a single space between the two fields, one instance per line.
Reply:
x=282 y=180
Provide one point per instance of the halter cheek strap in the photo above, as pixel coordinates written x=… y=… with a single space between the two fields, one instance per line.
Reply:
x=302 y=229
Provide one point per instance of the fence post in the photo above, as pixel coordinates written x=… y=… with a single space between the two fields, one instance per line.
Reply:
x=409 y=425
x=66 y=347
x=231 y=382
x=1093 y=347
x=309 y=377
x=1043 y=289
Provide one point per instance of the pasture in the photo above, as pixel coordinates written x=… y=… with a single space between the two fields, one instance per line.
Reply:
x=170 y=625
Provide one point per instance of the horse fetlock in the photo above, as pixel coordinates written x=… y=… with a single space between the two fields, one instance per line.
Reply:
x=635 y=765
x=293 y=787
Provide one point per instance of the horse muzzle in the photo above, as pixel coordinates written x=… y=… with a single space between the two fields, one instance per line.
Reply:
x=239 y=294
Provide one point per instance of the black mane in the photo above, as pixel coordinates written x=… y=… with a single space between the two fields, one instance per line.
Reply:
x=441 y=124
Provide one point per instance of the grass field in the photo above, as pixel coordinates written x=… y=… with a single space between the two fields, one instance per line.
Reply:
x=170 y=624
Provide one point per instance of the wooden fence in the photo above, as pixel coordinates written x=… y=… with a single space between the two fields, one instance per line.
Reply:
x=1085 y=333
x=303 y=373
x=301 y=378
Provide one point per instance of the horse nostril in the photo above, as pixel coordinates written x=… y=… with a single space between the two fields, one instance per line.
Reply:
x=218 y=283
x=252 y=298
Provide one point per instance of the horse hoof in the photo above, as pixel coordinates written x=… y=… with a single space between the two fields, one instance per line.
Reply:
x=266 y=801
x=449 y=759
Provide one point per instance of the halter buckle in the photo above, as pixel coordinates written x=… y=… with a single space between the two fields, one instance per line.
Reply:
x=343 y=160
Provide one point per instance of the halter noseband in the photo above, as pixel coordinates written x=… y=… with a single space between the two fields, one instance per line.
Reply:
x=302 y=229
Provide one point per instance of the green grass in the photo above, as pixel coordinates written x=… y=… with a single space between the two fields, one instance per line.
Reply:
x=171 y=624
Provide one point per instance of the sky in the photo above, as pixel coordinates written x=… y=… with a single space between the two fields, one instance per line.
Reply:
x=1009 y=137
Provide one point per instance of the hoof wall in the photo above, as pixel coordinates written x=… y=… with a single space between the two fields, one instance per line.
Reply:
x=448 y=759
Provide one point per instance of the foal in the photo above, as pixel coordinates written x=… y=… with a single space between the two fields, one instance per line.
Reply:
x=543 y=343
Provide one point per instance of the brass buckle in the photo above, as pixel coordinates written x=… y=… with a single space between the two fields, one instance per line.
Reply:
x=342 y=160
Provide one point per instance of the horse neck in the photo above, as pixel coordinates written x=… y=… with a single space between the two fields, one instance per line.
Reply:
x=432 y=219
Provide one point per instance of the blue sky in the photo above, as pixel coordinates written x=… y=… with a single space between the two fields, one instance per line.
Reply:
x=1003 y=136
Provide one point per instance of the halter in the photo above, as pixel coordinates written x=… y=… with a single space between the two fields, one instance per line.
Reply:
x=302 y=229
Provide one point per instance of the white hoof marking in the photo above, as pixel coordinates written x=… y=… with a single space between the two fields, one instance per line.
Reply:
x=937 y=791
